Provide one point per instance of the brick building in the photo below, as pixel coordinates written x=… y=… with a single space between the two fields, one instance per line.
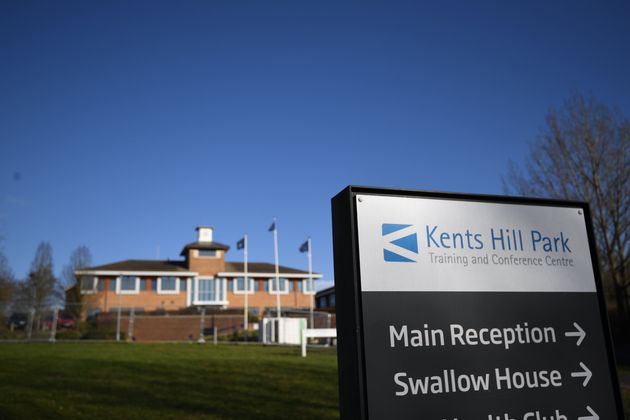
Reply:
x=325 y=300
x=202 y=278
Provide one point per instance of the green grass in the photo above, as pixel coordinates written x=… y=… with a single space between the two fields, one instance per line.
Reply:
x=167 y=381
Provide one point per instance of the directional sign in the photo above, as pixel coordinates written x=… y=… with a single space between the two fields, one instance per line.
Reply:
x=460 y=307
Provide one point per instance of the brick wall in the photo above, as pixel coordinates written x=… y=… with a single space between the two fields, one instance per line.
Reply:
x=148 y=328
x=262 y=299
x=205 y=266
x=172 y=328
x=148 y=299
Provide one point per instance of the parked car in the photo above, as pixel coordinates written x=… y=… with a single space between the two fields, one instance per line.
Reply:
x=66 y=323
x=61 y=323
x=17 y=321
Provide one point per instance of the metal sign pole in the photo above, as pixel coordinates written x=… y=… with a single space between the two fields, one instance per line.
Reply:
x=118 y=312
x=130 y=333
x=246 y=287
x=310 y=284
x=202 y=323
x=53 y=327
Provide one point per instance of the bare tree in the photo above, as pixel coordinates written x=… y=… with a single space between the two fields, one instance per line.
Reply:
x=81 y=258
x=583 y=153
x=7 y=285
x=40 y=288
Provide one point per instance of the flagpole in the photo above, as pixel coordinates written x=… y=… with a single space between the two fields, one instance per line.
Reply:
x=275 y=248
x=246 y=283
x=310 y=281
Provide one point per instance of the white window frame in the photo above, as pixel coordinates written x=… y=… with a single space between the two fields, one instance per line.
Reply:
x=127 y=292
x=220 y=283
x=88 y=291
x=281 y=292
x=235 y=290
x=168 y=292
x=304 y=283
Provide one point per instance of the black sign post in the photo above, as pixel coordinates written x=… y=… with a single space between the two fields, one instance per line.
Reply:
x=462 y=307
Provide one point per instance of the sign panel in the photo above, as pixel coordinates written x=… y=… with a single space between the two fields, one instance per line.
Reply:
x=467 y=307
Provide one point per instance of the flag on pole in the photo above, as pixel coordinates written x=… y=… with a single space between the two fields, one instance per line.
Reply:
x=272 y=227
x=304 y=247
x=240 y=244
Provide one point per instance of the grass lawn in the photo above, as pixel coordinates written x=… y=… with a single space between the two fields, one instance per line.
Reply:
x=169 y=381
x=183 y=381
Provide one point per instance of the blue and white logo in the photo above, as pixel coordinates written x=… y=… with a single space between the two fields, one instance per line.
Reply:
x=400 y=242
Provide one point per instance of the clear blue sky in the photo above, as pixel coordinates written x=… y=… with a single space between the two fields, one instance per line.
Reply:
x=123 y=125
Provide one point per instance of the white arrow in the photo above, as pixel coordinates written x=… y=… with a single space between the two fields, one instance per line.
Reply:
x=579 y=333
x=592 y=416
x=586 y=374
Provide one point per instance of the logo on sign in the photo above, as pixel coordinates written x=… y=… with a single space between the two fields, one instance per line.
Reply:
x=401 y=242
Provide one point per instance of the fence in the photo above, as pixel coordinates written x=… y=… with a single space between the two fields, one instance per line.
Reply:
x=80 y=322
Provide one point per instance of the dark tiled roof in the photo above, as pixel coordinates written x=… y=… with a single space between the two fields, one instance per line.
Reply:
x=141 y=265
x=203 y=245
x=258 y=267
x=327 y=291
x=175 y=266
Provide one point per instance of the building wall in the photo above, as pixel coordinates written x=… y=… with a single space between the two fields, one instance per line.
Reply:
x=205 y=266
x=262 y=299
x=148 y=299
x=173 y=328
x=107 y=300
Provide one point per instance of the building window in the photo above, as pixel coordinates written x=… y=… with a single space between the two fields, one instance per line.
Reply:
x=88 y=285
x=128 y=285
x=283 y=288
x=207 y=253
x=308 y=286
x=210 y=291
x=239 y=285
x=168 y=285
x=332 y=301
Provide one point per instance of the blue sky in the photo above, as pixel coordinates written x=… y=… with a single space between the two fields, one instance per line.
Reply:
x=130 y=123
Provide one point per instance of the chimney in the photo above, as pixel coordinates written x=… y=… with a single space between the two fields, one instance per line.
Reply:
x=204 y=233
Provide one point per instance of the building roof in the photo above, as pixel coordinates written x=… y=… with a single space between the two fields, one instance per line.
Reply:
x=261 y=267
x=328 y=291
x=141 y=265
x=204 y=245
x=160 y=266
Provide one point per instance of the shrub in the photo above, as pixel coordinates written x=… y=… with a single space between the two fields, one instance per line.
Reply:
x=68 y=335
x=102 y=335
